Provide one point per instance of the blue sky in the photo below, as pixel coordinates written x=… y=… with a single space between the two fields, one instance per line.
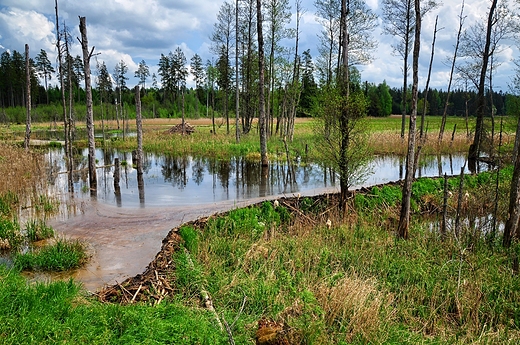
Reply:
x=133 y=30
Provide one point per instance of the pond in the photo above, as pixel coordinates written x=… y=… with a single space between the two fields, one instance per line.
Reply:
x=175 y=181
x=125 y=226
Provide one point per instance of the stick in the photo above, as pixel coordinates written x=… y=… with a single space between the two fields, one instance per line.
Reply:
x=136 y=293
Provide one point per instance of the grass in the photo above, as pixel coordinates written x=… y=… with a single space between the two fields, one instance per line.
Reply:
x=38 y=230
x=352 y=282
x=385 y=139
x=58 y=313
x=62 y=255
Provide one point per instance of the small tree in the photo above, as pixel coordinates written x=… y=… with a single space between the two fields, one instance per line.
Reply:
x=45 y=69
x=142 y=73
x=349 y=161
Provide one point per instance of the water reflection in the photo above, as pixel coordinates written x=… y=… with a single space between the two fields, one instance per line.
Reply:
x=170 y=181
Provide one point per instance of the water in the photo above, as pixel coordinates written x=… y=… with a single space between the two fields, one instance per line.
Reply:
x=124 y=230
x=177 y=181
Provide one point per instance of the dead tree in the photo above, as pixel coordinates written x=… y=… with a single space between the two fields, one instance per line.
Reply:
x=27 y=99
x=90 y=115
x=404 y=219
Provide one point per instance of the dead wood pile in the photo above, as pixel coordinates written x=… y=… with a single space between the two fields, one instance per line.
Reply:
x=156 y=282
x=177 y=129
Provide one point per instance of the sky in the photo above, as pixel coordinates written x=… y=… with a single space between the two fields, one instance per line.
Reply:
x=135 y=30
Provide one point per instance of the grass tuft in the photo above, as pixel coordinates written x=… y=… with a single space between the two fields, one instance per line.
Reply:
x=60 y=256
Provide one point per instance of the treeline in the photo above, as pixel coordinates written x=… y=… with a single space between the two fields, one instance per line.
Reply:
x=206 y=99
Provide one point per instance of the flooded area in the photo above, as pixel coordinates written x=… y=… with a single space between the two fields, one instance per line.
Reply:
x=125 y=224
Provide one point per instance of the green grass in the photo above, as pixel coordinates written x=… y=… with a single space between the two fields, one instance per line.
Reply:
x=62 y=255
x=37 y=230
x=58 y=313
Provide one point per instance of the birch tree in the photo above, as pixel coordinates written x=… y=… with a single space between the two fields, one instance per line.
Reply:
x=27 y=99
x=261 y=95
x=222 y=45
x=399 y=20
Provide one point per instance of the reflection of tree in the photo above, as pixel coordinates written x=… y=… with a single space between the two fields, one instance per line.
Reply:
x=198 y=170
x=147 y=162
x=174 y=170
x=53 y=167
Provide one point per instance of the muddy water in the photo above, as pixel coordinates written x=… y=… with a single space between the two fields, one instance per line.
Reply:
x=124 y=226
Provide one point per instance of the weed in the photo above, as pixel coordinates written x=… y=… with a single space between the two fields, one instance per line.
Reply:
x=10 y=236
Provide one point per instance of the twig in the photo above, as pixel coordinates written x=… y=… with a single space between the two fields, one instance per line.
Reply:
x=228 y=330
x=136 y=293
x=239 y=312
x=299 y=212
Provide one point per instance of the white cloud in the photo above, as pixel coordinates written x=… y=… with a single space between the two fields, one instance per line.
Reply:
x=136 y=30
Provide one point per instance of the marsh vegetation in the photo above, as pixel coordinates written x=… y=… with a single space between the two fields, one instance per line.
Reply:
x=299 y=268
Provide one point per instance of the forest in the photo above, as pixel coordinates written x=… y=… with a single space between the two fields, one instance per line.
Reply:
x=295 y=82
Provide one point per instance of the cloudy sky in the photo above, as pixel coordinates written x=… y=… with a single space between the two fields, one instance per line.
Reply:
x=133 y=30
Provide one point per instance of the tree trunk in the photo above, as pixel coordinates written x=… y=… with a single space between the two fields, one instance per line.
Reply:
x=237 y=91
x=90 y=115
x=445 y=112
x=511 y=227
x=404 y=219
x=405 y=73
x=261 y=91
x=474 y=149
x=27 y=99
x=344 y=117
x=68 y=151
x=139 y=125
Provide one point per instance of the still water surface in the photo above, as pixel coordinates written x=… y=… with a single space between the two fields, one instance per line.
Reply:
x=179 y=181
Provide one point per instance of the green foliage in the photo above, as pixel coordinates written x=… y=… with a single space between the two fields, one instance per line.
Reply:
x=58 y=313
x=10 y=234
x=37 y=230
x=59 y=256
x=387 y=196
x=380 y=100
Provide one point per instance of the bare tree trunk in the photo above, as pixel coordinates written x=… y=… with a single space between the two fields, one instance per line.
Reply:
x=404 y=219
x=422 y=134
x=27 y=99
x=139 y=125
x=423 y=115
x=66 y=124
x=474 y=149
x=344 y=117
x=511 y=227
x=295 y=94
x=237 y=90
x=405 y=75
x=90 y=115
x=261 y=91
x=445 y=113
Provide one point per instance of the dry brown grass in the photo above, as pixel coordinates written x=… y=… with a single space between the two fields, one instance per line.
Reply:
x=353 y=304
x=23 y=173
